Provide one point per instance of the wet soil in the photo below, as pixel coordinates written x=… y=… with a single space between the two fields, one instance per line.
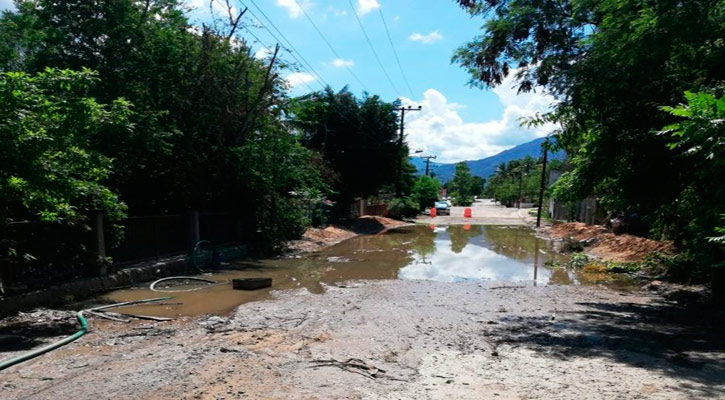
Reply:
x=400 y=339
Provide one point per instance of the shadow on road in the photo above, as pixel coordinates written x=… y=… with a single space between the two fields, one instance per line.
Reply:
x=685 y=342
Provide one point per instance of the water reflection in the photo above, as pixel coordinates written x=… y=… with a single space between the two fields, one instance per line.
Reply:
x=478 y=253
x=447 y=254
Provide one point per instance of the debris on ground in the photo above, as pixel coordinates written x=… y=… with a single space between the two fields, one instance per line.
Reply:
x=600 y=242
x=402 y=340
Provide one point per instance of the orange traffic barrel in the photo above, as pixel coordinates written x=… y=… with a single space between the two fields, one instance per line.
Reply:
x=467 y=212
x=432 y=212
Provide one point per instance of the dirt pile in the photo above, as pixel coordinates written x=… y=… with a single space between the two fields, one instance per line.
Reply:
x=317 y=238
x=606 y=245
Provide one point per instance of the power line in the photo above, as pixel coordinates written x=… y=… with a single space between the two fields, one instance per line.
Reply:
x=293 y=48
x=272 y=52
x=397 y=59
x=375 y=53
x=329 y=44
x=275 y=38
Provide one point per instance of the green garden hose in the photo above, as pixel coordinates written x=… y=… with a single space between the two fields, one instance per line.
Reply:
x=195 y=254
x=84 y=329
x=52 y=346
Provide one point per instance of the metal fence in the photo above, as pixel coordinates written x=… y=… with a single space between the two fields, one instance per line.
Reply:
x=47 y=253
x=151 y=237
x=36 y=253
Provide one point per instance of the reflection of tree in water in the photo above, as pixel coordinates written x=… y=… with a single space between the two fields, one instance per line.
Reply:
x=362 y=257
x=460 y=236
x=424 y=242
x=518 y=243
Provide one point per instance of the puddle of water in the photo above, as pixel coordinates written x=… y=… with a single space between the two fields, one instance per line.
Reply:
x=448 y=254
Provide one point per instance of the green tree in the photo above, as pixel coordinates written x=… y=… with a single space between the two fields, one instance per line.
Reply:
x=425 y=191
x=49 y=170
x=357 y=137
x=515 y=181
x=611 y=64
x=206 y=115
x=478 y=186
x=461 y=186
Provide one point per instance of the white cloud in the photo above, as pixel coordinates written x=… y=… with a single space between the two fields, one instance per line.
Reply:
x=299 y=78
x=262 y=53
x=293 y=7
x=439 y=129
x=340 y=63
x=7 y=5
x=396 y=18
x=336 y=12
x=365 y=6
x=427 y=39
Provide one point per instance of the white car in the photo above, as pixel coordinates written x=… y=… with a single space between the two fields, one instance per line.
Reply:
x=442 y=208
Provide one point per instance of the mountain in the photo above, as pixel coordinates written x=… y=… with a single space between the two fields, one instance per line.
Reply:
x=486 y=166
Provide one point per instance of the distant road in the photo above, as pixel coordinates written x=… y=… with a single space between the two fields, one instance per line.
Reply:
x=484 y=212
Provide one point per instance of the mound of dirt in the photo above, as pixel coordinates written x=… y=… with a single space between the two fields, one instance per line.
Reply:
x=608 y=246
x=317 y=238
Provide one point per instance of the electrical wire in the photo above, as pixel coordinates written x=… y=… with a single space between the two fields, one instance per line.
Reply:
x=329 y=44
x=370 y=43
x=292 y=48
x=397 y=59
x=269 y=49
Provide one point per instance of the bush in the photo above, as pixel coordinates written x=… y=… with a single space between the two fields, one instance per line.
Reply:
x=402 y=208
x=425 y=191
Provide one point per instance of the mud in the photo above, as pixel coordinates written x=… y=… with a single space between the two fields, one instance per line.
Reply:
x=448 y=254
x=400 y=339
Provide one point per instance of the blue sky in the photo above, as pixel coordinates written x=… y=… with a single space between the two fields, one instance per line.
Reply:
x=457 y=122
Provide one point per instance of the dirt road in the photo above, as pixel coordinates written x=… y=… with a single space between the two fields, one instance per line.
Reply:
x=399 y=340
x=483 y=212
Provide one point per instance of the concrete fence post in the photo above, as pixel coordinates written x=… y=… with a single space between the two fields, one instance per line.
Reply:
x=193 y=229
x=100 y=239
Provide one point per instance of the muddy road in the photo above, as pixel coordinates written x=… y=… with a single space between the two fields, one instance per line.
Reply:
x=399 y=340
x=444 y=311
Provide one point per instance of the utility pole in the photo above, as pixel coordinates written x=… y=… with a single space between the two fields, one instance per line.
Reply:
x=545 y=148
x=400 y=145
x=427 y=163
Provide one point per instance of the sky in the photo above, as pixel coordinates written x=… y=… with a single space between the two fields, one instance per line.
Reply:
x=456 y=123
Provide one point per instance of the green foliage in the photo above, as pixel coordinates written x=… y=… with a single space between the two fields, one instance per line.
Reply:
x=207 y=129
x=698 y=139
x=403 y=208
x=514 y=181
x=463 y=186
x=49 y=169
x=357 y=137
x=612 y=64
x=425 y=191
x=578 y=260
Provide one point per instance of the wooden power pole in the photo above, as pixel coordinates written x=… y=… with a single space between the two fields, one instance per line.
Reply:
x=427 y=163
x=545 y=148
x=400 y=145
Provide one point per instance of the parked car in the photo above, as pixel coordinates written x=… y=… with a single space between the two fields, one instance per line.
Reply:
x=442 y=208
